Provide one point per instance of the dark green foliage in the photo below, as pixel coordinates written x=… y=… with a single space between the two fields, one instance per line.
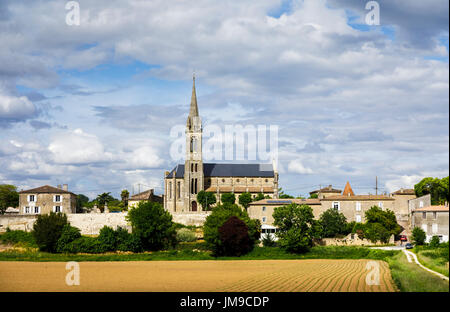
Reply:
x=8 y=197
x=186 y=235
x=68 y=235
x=437 y=188
x=259 y=196
x=245 y=199
x=380 y=225
x=435 y=242
x=219 y=216
x=18 y=236
x=206 y=199
x=153 y=226
x=296 y=227
x=268 y=240
x=82 y=201
x=418 y=236
x=48 y=229
x=333 y=223
x=228 y=198
x=107 y=237
x=315 y=195
x=376 y=232
x=234 y=237
x=84 y=244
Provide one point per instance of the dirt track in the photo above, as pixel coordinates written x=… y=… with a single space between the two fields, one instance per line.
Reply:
x=196 y=276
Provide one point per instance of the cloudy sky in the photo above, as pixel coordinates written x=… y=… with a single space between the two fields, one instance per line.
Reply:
x=93 y=105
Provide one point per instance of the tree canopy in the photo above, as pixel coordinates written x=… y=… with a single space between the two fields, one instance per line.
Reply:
x=245 y=199
x=206 y=199
x=333 y=223
x=437 y=188
x=9 y=197
x=228 y=198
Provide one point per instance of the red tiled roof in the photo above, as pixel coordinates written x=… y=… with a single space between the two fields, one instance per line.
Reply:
x=46 y=189
x=433 y=208
x=358 y=197
x=405 y=192
x=348 y=190
x=287 y=201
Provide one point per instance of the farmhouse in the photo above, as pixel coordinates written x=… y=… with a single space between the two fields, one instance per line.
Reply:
x=433 y=220
x=45 y=199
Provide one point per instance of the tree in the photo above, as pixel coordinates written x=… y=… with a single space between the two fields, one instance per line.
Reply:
x=82 y=201
x=8 y=197
x=281 y=194
x=259 y=196
x=314 y=195
x=220 y=214
x=48 y=229
x=103 y=199
x=333 y=223
x=228 y=198
x=296 y=227
x=206 y=199
x=385 y=218
x=435 y=241
x=437 y=188
x=245 y=199
x=125 y=195
x=153 y=226
x=418 y=236
x=234 y=237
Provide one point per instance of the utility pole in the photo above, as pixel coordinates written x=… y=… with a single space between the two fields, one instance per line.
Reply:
x=376 y=185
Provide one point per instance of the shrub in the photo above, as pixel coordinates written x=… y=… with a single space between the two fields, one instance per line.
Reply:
x=107 y=237
x=186 y=235
x=228 y=198
x=296 y=227
x=18 y=236
x=376 y=232
x=234 y=237
x=153 y=226
x=245 y=199
x=435 y=241
x=220 y=214
x=68 y=235
x=418 y=236
x=48 y=229
x=85 y=244
x=334 y=223
x=268 y=240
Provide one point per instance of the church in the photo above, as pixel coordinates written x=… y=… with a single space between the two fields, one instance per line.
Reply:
x=182 y=183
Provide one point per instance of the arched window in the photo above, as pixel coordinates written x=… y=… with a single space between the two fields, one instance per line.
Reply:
x=170 y=189
x=192 y=167
x=195 y=186
x=178 y=189
x=195 y=167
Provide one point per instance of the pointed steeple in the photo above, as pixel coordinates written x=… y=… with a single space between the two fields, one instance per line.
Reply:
x=194 y=108
x=348 y=190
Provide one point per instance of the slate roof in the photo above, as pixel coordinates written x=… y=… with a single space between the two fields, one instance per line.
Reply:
x=229 y=170
x=46 y=189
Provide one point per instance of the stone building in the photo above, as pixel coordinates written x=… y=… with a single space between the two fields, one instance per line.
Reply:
x=434 y=220
x=326 y=191
x=182 y=183
x=148 y=195
x=45 y=199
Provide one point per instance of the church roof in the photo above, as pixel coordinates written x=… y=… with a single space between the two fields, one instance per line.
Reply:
x=229 y=170
x=348 y=190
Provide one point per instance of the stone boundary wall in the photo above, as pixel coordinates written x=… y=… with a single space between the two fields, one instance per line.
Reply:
x=349 y=241
x=91 y=223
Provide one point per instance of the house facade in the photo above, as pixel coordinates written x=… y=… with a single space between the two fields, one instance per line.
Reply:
x=185 y=181
x=433 y=220
x=46 y=199
x=148 y=195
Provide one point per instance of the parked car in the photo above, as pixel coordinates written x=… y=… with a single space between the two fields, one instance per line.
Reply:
x=409 y=246
x=403 y=238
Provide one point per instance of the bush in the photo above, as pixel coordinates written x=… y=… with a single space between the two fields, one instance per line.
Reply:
x=333 y=223
x=268 y=241
x=234 y=237
x=418 y=236
x=296 y=227
x=68 y=235
x=84 y=244
x=376 y=232
x=435 y=242
x=220 y=214
x=153 y=226
x=107 y=238
x=186 y=235
x=18 y=236
x=228 y=198
x=48 y=229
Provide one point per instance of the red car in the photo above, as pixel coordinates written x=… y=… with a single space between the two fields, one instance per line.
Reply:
x=403 y=238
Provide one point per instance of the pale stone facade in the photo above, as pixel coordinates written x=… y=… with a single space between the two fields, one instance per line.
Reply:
x=185 y=181
x=46 y=199
x=434 y=220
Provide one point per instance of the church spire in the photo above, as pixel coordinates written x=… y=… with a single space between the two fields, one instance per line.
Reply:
x=194 y=108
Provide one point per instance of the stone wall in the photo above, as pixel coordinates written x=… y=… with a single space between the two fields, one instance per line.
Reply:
x=91 y=223
x=351 y=240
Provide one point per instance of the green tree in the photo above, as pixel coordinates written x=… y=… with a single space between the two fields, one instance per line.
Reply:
x=437 y=188
x=245 y=199
x=418 y=236
x=259 y=196
x=333 y=223
x=206 y=199
x=8 y=197
x=315 y=195
x=220 y=214
x=296 y=227
x=228 y=198
x=124 y=195
x=82 y=201
x=435 y=241
x=104 y=198
x=282 y=195
x=153 y=226
x=48 y=229
x=385 y=218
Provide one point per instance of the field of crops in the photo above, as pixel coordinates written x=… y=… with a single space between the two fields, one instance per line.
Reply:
x=260 y=275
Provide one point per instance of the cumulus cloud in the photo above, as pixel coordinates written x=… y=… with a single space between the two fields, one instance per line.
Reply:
x=296 y=166
x=15 y=108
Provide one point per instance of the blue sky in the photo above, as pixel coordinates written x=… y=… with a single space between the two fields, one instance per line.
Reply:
x=92 y=105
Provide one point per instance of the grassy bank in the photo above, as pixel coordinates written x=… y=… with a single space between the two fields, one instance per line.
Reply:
x=434 y=258
x=409 y=277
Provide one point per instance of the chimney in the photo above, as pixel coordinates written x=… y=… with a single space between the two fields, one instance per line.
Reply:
x=65 y=187
x=59 y=186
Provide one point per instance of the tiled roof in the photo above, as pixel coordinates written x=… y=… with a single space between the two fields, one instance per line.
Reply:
x=327 y=189
x=46 y=189
x=229 y=170
x=405 y=192
x=358 y=197
x=287 y=201
x=348 y=190
x=432 y=208
x=141 y=196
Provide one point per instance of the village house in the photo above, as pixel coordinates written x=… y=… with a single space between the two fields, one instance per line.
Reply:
x=148 y=195
x=433 y=220
x=185 y=181
x=46 y=199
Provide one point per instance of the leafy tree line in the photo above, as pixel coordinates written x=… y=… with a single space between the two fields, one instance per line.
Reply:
x=9 y=197
x=208 y=199
x=437 y=188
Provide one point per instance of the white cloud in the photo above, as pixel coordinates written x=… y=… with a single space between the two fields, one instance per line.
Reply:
x=16 y=107
x=296 y=166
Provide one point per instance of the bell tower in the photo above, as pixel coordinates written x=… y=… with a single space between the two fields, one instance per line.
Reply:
x=193 y=165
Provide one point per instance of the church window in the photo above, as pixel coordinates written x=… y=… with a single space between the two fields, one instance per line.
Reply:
x=178 y=189
x=192 y=167
x=223 y=180
x=237 y=180
x=195 y=186
x=267 y=180
x=170 y=189
x=195 y=167
x=192 y=186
